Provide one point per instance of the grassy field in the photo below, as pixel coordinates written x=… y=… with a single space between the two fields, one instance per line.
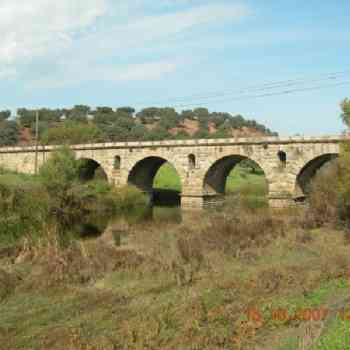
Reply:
x=239 y=177
x=191 y=286
x=237 y=278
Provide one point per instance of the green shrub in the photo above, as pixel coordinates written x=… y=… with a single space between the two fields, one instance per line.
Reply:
x=56 y=196
x=99 y=187
x=23 y=207
x=128 y=197
x=60 y=171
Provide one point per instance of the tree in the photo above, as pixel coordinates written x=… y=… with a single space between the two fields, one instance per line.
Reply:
x=79 y=113
x=4 y=115
x=158 y=134
x=26 y=117
x=330 y=190
x=126 y=110
x=222 y=132
x=72 y=132
x=9 y=133
x=345 y=106
x=169 y=118
x=122 y=124
x=116 y=133
x=104 y=116
x=182 y=135
x=187 y=114
x=138 y=132
x=220 y=118
x=49 y=115
x=148 y=115
x=201 y=134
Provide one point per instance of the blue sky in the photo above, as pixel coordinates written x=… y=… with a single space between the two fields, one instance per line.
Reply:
x=143 y=53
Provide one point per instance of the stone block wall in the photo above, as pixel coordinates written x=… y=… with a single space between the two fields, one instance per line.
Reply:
x=281 y=159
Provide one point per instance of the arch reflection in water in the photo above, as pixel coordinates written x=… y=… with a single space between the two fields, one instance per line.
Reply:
x=94 y=226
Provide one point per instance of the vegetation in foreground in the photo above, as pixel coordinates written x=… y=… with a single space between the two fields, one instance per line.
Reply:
x=241 y=278
x=193 y=286
x=56 y=196
x=133 y=287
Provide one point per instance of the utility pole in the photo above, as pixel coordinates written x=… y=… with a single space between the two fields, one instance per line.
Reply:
x=36 y=140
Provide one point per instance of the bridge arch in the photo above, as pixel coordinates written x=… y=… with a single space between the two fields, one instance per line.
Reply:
x=90 y=169
x=215 y=177
x=143 y=172
x=308 y=171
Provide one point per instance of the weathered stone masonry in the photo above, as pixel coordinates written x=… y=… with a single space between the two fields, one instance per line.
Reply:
x=202 y=165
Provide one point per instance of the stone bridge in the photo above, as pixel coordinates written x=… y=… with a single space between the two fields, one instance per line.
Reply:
x=202 y=165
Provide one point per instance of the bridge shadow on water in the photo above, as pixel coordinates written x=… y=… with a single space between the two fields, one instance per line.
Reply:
x=164 y=207
x=165 y=198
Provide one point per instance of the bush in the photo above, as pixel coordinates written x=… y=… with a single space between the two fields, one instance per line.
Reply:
x=239 y=229
x=323 y=198
x=329 y=198
x=60 y=177
x=342 y=183
x=56 y=196
x=60 y=171
x=128 y=197
x=99 y=187
x=23 y=207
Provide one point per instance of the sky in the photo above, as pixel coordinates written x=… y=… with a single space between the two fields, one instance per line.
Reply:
x=180 y=53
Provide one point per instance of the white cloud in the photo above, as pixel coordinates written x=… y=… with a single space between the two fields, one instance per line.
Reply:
x=144 y=71
x=138 y=32
x=34 y=28
x=76 y=73
x=66 y=39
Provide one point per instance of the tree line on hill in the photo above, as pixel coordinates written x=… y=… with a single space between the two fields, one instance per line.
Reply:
x=82 y=124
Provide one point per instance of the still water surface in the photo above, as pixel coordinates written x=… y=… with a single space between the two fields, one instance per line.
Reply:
x=95 y=225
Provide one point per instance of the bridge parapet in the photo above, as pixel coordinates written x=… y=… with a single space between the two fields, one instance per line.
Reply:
x=187 y=143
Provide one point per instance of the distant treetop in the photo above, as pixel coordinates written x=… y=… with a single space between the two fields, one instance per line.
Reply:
x=105 y=124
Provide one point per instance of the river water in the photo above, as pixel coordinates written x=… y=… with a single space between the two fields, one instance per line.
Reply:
x=95 y=225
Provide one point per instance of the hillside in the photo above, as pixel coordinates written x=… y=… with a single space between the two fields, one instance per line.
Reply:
x=191 y=127
x=82 y=124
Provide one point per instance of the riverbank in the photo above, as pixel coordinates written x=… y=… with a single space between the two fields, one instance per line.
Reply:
x=57 y=196
x=241 y=277
x=212 y=282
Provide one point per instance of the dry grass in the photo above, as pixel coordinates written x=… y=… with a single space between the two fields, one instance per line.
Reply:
x=181 y=287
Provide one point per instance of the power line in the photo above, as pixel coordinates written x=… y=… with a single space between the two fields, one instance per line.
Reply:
x=277 y=93
x=272 y=85
x=258 y=87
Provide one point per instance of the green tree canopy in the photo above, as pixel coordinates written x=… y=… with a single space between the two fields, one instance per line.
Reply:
x=4 y=115
x=9 y=133
x=72 y=132
x=345 y=106
x=121 y=124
